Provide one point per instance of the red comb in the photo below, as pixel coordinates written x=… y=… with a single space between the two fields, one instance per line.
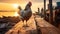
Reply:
x=30 y=3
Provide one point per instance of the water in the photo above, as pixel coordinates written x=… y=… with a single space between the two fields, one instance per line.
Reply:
x=7 y=13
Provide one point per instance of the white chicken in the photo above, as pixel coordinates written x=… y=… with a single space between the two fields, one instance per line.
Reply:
x=26 y=13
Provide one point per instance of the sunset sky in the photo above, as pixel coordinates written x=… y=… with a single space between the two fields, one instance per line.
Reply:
x=9 y=4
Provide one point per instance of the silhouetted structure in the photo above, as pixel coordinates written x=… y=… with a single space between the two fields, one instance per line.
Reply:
x=58 y=4
x=39 y=11
x=42 y=12
x=44 y=9
x=51 y=12
x=57 y=16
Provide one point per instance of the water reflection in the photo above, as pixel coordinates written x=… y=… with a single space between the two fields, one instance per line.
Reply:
x=8 y=14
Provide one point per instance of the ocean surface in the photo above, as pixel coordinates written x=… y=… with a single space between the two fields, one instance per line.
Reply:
x=7 y=14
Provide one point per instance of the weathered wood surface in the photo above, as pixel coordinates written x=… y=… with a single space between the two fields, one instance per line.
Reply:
x=18 y=29
x=45 y=27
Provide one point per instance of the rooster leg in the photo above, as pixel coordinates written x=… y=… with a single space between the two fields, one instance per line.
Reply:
x=23 y=23
x=27 y=24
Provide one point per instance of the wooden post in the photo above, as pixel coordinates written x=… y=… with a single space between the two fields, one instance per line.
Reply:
x=44 y=9
x=51 y=12
x=38 y=11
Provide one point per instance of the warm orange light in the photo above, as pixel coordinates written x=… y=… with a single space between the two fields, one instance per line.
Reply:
x=15 y=5
x=16 y=14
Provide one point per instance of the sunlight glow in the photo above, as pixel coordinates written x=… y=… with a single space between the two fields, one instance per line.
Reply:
x=15 y=5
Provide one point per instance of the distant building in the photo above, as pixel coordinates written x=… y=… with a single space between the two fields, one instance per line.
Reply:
x=58 y=4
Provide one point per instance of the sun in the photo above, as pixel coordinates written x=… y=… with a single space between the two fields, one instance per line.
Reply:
x=15 y=5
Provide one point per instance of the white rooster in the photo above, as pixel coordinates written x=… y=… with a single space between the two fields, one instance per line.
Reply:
x=26 y=13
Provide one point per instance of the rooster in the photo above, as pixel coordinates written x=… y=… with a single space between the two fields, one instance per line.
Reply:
x=26 y=13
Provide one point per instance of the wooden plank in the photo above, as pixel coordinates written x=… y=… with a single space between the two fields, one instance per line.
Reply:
x=19 y=29
x=45 y=27
x=49 y=30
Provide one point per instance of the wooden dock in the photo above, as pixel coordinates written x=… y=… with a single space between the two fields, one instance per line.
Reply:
x=42 y=28
x=45 y=27
x=18 y=29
